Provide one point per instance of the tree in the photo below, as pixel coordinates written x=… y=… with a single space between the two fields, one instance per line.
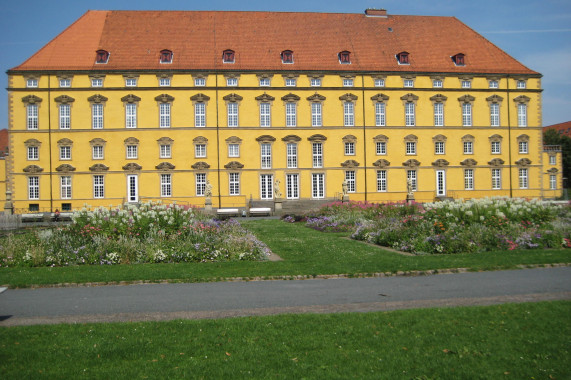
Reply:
x=552 y=137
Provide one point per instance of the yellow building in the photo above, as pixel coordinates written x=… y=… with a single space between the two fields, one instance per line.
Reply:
x=259 y=107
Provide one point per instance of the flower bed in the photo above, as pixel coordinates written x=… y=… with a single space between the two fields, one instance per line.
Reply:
x=452 y=226
x=150 y=233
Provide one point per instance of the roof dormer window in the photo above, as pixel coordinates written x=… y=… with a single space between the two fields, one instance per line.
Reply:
x=287 y=56
x=102 y=56
x=228 y=56
x=403 y=58
x=458 y=59
x=345 y=57
x=166 y=56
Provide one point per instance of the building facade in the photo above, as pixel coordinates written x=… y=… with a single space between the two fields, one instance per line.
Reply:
x=127 y=106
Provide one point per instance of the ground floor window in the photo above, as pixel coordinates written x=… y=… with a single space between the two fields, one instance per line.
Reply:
x=350 y=179
x=266 y=186
x=292 y=186
x=318 y=185
x=381 y=180
x=234 y=183
x=200 y=184
x=411 y=176
x=98 y=186
x=166 y=185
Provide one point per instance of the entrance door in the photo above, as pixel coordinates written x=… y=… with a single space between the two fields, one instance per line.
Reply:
x=133 y=188
x=440 y=183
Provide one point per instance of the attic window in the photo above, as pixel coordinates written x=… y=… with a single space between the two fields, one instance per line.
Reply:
x=287 y=56
x=102 y=56
x=458 y=59
x=402 y=58
x=345 y=57
x=228 y=56
x=166 y=56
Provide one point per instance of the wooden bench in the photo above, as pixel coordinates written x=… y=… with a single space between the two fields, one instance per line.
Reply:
x=257 y=211
x=227 y=212
x=32 y=217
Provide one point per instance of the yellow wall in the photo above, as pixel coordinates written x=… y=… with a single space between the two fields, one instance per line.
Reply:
x=183 y=131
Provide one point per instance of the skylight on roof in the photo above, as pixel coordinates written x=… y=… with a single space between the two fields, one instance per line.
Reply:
x=344 y=57
x=102 y=56
x=458 y=59
x=166 y=56
x=403 y=58
x=287 y=56
x=228 y=56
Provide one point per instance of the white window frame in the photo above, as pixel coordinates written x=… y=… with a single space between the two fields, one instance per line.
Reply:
x=33 y=188
x=130 y=115
x=165 y=151
x=96 y=82
x=233 y=150
x=468 y=147
x=132 y=188
x=291 y=155
x=164 y=115
x=439 y=147
x=200 y=150
x=523 y=147
x=292 y=186
x=496 y=179
x=521 y=85
x=265 y=155
x=65 y=187
x=468 y=179
x=31 y=83
x=132 y=152
x=348 y=82
x=98 y=186
x=494 y=114
x=408 y=83
x=291 y=114
x=65 y=152
x=164 y=82
x=231 y=82
x=381 y=148
x=32 y=117
x=266 y=186
x=265 y=82
x=412 y=175
x=199 y=82
x=65 y=83
x=381 y=181
x=97 y=152
x=523 y=175
x=315 y=82
x=493 y=84
x=200 y=182
x=130 y=82
x=316 y=115
x=265 y=115
x=379 y=82
x=552 y=160
x=437 y=83
x=290 y=82
x=438 y=114
x=65 y=116
x=466 y=114
x=199 y=114
x=552 y=182
x=234 y=183
x=522 y=115
x=466 y=84
x=166 y=185
x=33 y=153
x=349 y=148
x=348 y=114
x=411 y=148
x=317 y=155
x=97 y=116
x=350 y=180
x=318 y=185
x=409 y=114
x=496 y=147
x=380 y=114
x=232 y=109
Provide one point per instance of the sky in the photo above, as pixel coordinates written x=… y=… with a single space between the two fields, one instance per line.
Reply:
x=535 y=32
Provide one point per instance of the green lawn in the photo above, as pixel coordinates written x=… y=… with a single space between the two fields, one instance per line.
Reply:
x=512 y=341
x=304 y=252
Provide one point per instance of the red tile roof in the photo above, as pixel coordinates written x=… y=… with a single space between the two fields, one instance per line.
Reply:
x=562 y=128
x=198 y=38
x=3 y=142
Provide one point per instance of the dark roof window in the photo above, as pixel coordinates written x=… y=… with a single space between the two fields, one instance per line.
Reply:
x=458 y=59
x=345 y=57
x=403 y=58
x=287 y=56
x=166 y=56
x=228 y=56
x=102 y=56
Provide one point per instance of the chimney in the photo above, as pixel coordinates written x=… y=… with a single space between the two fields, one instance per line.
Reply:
x=372 y=12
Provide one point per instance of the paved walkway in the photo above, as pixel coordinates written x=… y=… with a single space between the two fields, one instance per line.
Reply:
x=158 y=302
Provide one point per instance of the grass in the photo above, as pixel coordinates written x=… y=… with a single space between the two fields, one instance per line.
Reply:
x=304 y=252
x=529 y=340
